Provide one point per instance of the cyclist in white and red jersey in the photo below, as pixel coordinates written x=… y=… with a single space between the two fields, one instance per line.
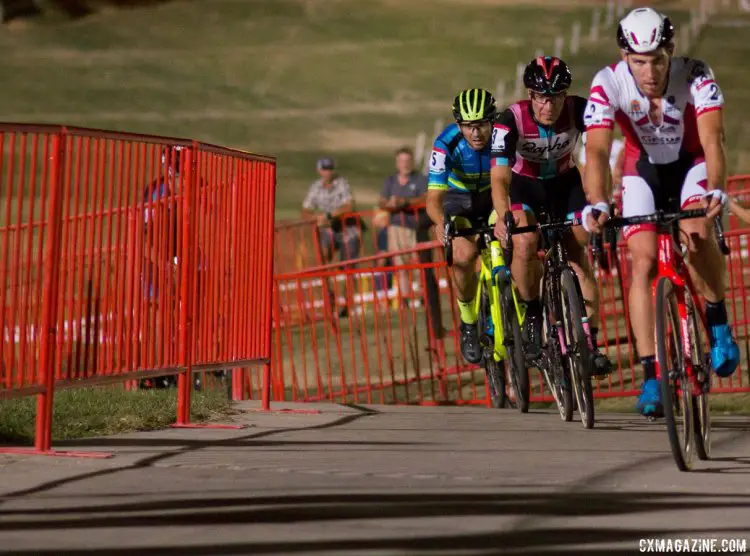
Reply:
x=533 y=172
x=670 y=111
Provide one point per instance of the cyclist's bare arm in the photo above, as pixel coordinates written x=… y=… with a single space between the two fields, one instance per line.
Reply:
x=739 y=211
x=500 y=177
x=711 y=134
x=435 y=210
x=598 y=147
x=618 y=169
x=598 y=175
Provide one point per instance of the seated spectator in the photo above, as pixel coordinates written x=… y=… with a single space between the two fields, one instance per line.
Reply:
x=328 y=198
x=403 y=195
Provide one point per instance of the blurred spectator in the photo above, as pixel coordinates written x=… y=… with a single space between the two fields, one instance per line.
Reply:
x=381 y=220
x=403 y=195
x=328 y=198
x=161 y=229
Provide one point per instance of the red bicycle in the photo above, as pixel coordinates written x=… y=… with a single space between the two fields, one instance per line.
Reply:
x=683 y=361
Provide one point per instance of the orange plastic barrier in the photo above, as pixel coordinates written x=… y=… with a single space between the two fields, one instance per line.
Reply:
x=128 y=256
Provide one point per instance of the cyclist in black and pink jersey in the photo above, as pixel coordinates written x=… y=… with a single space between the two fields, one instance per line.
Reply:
x=533 y=171
x=670 y=111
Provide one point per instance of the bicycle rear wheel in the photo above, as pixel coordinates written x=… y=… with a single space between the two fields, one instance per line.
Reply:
x=675 y=389
x=702 y=372
x=519 y=374
x=577 y=352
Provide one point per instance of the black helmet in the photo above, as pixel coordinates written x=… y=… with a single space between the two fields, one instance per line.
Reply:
x=547 y=75
x=473 y=105
x=644 y=30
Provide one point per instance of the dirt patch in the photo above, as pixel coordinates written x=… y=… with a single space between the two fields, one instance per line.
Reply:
x=345 y=139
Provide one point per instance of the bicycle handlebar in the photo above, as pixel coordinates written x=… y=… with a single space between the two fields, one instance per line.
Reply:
x=663 y=218
x=659 y=218
x=511 y=230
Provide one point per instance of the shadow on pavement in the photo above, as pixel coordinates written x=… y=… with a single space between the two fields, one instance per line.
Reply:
x=368 y=507
x=186 y=444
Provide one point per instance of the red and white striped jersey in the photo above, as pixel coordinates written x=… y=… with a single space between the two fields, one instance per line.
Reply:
x=691 y=91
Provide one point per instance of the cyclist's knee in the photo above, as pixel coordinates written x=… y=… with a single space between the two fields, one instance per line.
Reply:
x=644 y=267
x=464 y=253
x=524 y=247
x=643 y=250
x=697 y=231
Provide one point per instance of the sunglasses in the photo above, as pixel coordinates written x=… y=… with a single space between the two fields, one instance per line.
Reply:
x=543 y=99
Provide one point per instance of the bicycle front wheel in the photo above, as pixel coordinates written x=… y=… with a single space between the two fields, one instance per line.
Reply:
x=702 y=376
x=675 y=389
x=494 y=370
x=554 y=367
x=519 y=374
x=577 y=349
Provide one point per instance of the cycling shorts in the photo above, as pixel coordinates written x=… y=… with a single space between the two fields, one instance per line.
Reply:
x=468 y=209
x=648 y=187
x=561 y=197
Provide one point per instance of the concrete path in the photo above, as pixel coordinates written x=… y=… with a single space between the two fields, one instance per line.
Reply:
x=375 y=480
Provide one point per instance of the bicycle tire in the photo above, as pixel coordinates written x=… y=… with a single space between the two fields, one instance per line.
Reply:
x=519 y=373
x=578 y=352
x=554 y=369
x=678 y=397
x=494 y=370
x=702 y=367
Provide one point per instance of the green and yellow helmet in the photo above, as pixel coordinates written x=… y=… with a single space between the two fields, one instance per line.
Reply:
x=473 y=105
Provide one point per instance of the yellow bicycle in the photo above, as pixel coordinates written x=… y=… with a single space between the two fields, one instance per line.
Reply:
x=496 y=298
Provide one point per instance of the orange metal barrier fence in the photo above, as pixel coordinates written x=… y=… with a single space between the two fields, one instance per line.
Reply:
x=297 y=244
x=128 y=256
x=349 y=337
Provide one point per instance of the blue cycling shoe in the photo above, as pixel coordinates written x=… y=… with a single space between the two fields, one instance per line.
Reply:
x=649 y=402
x=725 y=353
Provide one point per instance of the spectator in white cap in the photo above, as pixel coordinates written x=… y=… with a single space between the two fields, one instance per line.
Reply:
x=328 y=199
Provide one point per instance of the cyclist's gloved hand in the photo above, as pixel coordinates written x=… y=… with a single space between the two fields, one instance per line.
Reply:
x=592 y=221
x=714 y=201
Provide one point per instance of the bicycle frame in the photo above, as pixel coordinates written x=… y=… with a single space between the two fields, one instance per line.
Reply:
x=555 y=260
x=493 y=272
x=492 y=269
x=672 y=265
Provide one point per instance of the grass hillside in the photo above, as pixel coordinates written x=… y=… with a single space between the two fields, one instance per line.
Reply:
x=300 y=79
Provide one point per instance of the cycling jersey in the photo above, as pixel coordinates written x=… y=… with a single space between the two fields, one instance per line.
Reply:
x=664 y=167
x=535 y=150
x=691 y=91
x=455 y=166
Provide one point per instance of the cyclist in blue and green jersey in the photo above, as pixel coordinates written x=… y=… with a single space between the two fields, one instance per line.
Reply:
x=459 y=187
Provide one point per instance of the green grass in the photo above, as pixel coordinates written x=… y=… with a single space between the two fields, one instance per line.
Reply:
x=88 y=412
x=293 y=78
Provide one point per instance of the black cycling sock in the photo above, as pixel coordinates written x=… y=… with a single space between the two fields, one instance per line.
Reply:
x=716 y=313
x=649 y=367
x=534 y=307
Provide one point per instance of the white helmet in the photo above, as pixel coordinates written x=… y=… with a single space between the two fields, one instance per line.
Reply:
x=644 y=30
